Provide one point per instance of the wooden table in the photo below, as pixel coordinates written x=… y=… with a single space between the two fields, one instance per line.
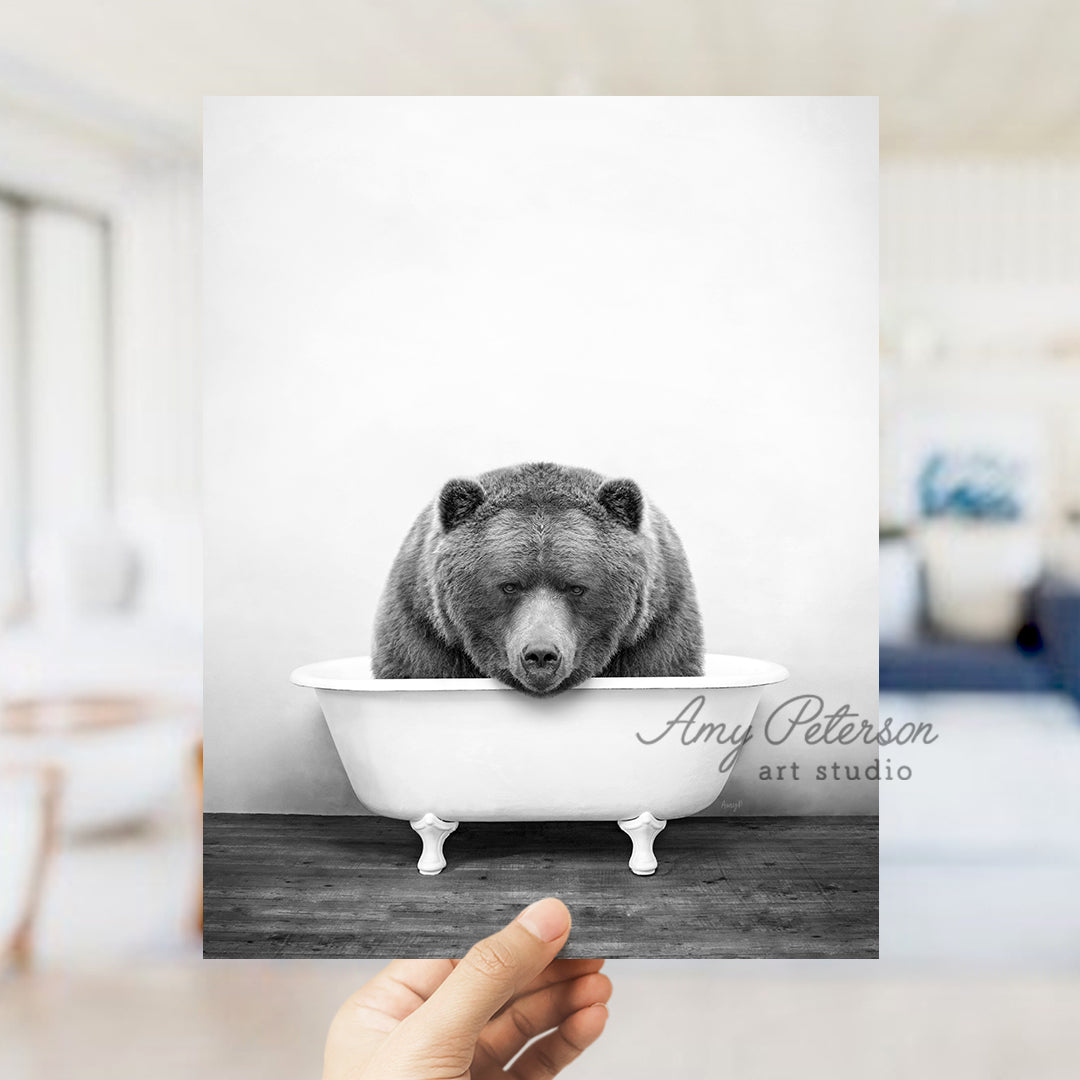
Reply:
x=40 y=715
x=300 y=886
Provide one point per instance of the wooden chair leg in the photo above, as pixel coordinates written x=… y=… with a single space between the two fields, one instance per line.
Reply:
x=197 y=919
x=21 y=949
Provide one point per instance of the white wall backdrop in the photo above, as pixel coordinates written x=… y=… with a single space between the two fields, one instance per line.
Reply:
x=402 y=290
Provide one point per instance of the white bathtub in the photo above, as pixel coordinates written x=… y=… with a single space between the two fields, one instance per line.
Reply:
x=436 y=752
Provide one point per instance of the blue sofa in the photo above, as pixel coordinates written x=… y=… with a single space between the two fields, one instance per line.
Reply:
x=1044 y=659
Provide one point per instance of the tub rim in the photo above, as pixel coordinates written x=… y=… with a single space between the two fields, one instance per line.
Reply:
x=743 y=671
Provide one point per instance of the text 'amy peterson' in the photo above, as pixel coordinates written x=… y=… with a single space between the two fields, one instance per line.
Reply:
x=804 y=715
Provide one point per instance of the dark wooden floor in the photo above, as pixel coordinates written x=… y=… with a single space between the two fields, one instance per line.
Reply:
x=296 y=886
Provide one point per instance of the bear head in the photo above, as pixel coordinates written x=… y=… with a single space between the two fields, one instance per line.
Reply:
x=539 y=572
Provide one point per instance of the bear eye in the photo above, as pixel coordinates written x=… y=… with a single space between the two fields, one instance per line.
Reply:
x=509 y=588
x=577 y=590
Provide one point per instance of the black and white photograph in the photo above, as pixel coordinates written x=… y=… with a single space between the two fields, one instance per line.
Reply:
x=540 y=448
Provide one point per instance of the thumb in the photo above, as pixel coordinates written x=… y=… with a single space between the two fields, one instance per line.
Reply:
x=492 y=972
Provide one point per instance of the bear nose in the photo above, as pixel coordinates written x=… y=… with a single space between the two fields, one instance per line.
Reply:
x=541 y=657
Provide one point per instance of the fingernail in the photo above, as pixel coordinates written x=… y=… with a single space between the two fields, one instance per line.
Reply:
x=547 y=919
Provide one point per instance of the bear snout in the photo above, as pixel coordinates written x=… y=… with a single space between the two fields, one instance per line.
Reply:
x=541 y=658
x=540 y=645
x=540 y=665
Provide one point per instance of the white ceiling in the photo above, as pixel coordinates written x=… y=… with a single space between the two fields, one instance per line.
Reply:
x=954 y=76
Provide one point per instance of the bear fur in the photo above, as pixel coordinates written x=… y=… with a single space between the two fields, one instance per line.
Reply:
x=539 y=575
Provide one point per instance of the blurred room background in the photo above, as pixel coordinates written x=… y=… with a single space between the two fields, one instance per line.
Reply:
x=100 y=552
x=100 y=109
x=980 y=554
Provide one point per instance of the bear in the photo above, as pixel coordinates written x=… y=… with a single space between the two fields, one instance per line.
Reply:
x=541 y=576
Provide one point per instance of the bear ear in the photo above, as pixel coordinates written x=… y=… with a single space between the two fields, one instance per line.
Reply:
x=458 y=500
x=623 y=500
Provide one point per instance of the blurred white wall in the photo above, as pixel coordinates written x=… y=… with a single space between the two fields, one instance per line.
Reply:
x=399 y=291
x=980 y=287
x=157 y=391
x=99 y=340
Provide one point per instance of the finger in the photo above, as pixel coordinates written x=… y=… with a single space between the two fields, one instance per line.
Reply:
x=538 y=1012
x=491 y=973
x=367 y=1016
x=404 y=985
x=556 y=972
x=421 y=977
x=396 y=992
x=566 y=963
x=548 y=1056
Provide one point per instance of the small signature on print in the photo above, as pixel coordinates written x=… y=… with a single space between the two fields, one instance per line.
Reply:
x=803 y=716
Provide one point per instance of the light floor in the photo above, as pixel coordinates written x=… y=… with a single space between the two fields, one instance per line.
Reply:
x=260 y=1021
x=980 y=849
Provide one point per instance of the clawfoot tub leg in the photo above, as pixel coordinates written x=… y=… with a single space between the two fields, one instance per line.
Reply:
x=433 y=831
x=642 y=830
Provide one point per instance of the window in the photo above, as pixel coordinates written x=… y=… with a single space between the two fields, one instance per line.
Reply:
x=55 y=379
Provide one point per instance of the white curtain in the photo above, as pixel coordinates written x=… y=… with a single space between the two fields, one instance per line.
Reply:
x=56 y=424
x=67 y=401
x=12 y=518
